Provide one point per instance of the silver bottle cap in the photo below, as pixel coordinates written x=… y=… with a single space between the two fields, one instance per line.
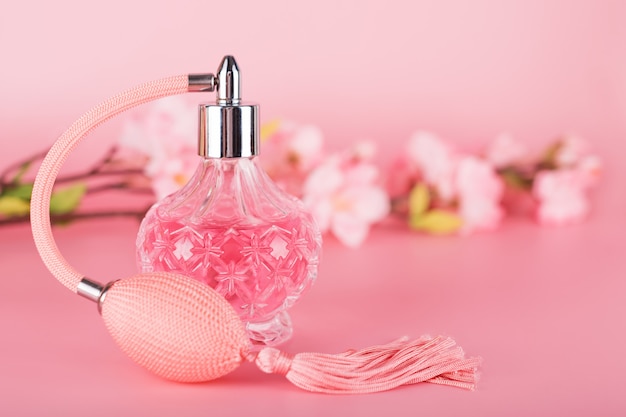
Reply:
x=228 y=128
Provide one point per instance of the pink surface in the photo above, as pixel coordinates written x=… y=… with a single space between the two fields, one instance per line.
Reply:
x=544 y=307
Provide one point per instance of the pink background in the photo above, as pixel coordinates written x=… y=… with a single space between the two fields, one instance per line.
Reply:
x=544 y=307
x=467 y=70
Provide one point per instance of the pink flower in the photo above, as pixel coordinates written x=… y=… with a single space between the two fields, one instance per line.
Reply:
x=562 y=193
x=174 y=173
x=505 y=151
x=364 y=151
x=435 y=160
x=590 y=167
x=571 y=151
x=344 y=198
x=561 y=196
x=479 y=191
x=466 y=186
x=402 y=177
x=289 y=152
x=166 y=133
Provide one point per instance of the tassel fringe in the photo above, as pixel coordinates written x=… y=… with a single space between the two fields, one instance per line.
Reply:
x=378 y=368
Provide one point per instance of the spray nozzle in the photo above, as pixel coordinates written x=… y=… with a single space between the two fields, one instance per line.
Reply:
x=228 y=81
x=228 y=128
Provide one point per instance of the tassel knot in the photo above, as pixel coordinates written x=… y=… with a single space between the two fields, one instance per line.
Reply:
x=273 y=361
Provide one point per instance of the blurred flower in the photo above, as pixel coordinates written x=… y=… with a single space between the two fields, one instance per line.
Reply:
x=435 y=161
x=561 y=196
x=344 y=198
x=364 y=151
x=590 y=166
x=561 y=193
x=340 y=190
x=403 y=175
x=479 y=192
x=290 y=152
x=434 y=187
x=570 y=150
x=505 y=151
x=166 y=134
x=449 y=192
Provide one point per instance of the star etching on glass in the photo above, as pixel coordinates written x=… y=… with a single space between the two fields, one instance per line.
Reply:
x=163 y=244
x=257 y=250
x=257 y=303
x=231 y=279
x=280 y=273
x=234 y=235
x=276 y=238
x=207 y=252
x=299 y=243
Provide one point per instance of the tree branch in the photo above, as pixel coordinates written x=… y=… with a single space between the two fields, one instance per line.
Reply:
x=70 y=217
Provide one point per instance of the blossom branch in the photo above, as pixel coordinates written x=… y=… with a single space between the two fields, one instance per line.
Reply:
x=120 y=186
x=17 y=167
x=434 y=187
x=91 y=174
x=15 y=193
x=71 y=217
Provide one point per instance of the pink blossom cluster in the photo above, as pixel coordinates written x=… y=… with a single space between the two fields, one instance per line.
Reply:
x=442 y=190
x=451 y=191
x=562 y=192
x=558 y=180
x=436 y=187
x=165 y=135
x=342 y=190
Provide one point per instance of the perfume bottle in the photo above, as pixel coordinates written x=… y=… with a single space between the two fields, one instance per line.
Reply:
x=230 y=226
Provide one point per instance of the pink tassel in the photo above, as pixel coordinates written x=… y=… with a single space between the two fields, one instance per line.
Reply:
x=379 y=368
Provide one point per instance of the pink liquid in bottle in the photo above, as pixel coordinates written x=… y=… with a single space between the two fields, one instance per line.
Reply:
x=232 y=228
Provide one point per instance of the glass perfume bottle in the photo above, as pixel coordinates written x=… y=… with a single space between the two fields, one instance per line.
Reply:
x=230 y=226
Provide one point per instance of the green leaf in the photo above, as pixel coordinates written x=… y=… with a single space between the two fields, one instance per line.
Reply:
x=66 y=200
x=438 y=222
x=419 y=200
x=13 y=206
x=22 y=191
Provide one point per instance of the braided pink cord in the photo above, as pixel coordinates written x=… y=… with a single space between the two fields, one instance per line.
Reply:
x=51 y=165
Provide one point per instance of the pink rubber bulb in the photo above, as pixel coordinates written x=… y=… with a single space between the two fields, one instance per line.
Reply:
x=175 y=327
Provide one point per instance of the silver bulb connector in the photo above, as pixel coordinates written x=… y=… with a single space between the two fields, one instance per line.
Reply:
x=93 y=290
